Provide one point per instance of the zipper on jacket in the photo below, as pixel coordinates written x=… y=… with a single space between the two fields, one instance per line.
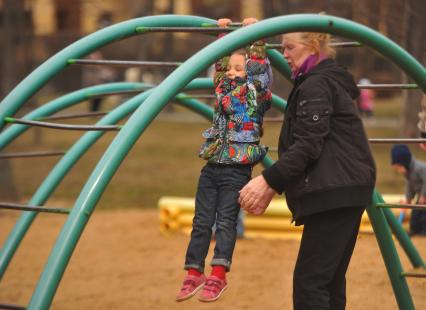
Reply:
x=224 y=142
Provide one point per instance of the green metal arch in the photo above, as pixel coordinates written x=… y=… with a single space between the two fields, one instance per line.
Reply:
x=85 y=142
x=34 y=81
x=46 y=71
x=138 y=122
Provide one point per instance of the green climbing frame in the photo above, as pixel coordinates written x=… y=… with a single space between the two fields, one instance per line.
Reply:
x=169 y=88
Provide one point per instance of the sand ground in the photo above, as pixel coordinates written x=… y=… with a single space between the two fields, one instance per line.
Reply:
x=123 y=262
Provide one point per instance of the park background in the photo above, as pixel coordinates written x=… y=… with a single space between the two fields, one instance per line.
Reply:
x=164 y=161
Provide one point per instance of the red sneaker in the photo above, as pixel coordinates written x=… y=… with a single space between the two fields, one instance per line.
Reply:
x=191 y=285
x=213 y=288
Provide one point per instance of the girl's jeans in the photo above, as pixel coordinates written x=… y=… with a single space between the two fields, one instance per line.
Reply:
x=216 y=201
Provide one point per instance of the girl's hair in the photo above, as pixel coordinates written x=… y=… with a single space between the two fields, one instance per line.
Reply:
x=240 y=51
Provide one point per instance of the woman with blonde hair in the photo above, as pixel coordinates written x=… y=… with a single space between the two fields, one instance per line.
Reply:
x=325 y=168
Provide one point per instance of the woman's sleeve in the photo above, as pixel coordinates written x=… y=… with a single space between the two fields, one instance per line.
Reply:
x=310 y=129
x=259 y=73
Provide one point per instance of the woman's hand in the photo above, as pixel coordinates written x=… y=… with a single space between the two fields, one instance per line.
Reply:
x=223 y=22
x=256 y=196
x=249 y=20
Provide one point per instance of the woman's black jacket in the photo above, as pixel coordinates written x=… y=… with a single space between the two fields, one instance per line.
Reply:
x=325 y=160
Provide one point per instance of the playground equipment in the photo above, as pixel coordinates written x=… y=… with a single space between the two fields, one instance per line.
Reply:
x=383 y=221
x=176 y=214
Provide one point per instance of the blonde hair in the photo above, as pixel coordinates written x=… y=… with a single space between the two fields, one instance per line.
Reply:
x=318 y=42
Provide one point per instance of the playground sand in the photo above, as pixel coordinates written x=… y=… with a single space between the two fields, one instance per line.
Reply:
x=123 y=262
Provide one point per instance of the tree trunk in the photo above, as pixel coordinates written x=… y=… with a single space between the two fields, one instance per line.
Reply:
x=415 y=32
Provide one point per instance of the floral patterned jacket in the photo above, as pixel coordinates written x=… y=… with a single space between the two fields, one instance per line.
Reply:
x=239 y=109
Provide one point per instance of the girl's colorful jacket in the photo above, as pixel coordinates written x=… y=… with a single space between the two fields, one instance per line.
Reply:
x=239 y=109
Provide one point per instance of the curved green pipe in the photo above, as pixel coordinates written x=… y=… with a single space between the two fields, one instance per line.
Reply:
x=40 y=76
x=85 y=142
x=142 y=117
x=68 y=100
x=33 y=82
x=56 y=105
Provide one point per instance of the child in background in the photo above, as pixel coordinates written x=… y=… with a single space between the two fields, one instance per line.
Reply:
x=366 y=99
x=231 y=149
x=415 y=172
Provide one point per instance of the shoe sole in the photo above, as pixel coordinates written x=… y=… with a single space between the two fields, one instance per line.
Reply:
x=191 y=294
x=213 y=299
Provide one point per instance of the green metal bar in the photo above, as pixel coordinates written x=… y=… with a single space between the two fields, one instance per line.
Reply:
x=388 y=86
x=80 y=147
x=74 y=115
x=112 y=159
x=401 y=206
x=74 y=153
x=390 y=255
x=60 y=126
x=30 y=154
x=143 y=116
x=396 y=140
x=213 y=30
x=40 y=76
x=21 y=207
x=404 y=240
x=62 y=103
x=123 y=63
x=414 y=274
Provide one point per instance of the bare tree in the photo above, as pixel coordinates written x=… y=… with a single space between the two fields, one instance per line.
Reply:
x=413 y=41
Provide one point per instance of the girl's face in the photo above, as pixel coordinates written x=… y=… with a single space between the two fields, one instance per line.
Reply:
x=236 y=67
x=295 y=52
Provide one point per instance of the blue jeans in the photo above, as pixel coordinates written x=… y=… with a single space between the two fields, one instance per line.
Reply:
x=216 y=201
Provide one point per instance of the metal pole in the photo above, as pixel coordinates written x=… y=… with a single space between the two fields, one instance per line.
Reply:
x=162 y=94
x=390 y=255
x=73 y=115
x=403 y=239
x=30 y=154
x=21 y=207
x=397 y=140
x=401 y=206
x=60 y=126
x=41 y=75
x=388 y=86
x=332 y=44
x=212 y=30
x=124 y=63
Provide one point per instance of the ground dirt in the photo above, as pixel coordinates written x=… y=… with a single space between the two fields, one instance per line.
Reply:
x=123 y=262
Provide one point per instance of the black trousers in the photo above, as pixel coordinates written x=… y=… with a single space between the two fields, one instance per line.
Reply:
x=418 y=222
x=328 y=241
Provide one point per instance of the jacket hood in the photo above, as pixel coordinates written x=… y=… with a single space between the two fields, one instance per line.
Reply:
x=329 y=68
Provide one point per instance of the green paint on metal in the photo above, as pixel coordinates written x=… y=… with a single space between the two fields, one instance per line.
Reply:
x=41 y=75
x=71 y=61
x=142 y=30
x=389 y=253
x=56 y=175
x=404 y=240
x=143 y=116
x=9 y=119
